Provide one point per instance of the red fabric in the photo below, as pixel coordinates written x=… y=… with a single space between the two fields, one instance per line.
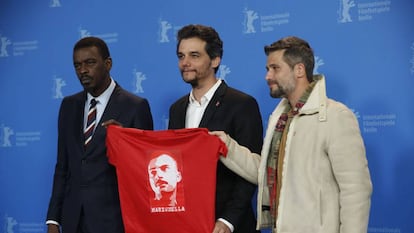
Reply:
x=196 y=153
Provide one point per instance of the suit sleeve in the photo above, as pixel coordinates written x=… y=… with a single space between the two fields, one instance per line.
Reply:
x=132 y=111
x=61 y=170
x=241 y=161
x=248 y=132
x=143 y=117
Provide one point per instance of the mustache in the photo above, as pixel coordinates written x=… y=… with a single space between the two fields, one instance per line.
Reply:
x=272 y=82
x=161 y=182
x=85 y=76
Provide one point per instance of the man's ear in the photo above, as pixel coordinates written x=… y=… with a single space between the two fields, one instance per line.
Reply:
x=215 y=62
x=299 y=70
x=108 y=63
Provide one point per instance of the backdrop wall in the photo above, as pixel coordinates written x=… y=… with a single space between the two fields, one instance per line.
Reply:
x=365 y=48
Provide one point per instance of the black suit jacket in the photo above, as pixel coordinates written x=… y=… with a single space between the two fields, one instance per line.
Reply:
x=238 y=115
x=84 y=178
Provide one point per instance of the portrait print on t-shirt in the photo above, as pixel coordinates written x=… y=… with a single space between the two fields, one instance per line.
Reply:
x=165 y=179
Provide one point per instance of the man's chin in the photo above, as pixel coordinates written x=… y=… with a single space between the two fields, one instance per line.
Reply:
x=88 y=88
x=276 y=94
x=192 y=81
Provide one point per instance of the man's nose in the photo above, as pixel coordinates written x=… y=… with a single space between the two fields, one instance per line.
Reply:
x=268 y=75
x=185 y=61
x=83 y=69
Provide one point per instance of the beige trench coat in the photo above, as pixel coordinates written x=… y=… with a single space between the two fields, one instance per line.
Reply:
x=326 y=185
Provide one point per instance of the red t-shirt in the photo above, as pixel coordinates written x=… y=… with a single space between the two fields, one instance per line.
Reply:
x=166 y=179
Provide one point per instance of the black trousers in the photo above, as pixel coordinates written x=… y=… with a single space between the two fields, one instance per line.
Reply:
x=82 y=227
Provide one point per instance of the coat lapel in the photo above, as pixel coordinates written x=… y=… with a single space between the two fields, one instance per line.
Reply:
x=79 y=120
x=213 y=105
x=180 y=113
x=112 y=109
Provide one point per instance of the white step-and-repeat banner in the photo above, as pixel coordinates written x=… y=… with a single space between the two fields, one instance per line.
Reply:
x=365 y=48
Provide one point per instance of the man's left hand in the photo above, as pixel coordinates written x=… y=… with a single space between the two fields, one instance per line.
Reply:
x=220 y=227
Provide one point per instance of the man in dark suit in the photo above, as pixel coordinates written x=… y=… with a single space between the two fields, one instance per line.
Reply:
x=215 y=106
x=85 y=195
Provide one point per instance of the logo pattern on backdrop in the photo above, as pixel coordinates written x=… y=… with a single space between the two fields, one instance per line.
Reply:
x=83 y=32
x=9 y=137
x=108 y=37
x=249 y=17
x=138 y=78
x=345 y=7
x=267 y=23
x=6 y=132
x=19 y=48
x=373 y=123
x=164 y=27
x=55 y=3
x=58 y=83
x=223 y=71
x=365 y=11
x=318 y=63
x=10 y=224
x=5 y=42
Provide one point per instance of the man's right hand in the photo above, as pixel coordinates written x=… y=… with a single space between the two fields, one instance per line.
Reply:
x=221 y=134
x=52 y=228
x=111 y=122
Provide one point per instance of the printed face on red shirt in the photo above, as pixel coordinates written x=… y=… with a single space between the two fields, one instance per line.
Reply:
x=163 y=175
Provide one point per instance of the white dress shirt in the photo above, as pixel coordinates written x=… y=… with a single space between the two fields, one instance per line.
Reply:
x=195 y=109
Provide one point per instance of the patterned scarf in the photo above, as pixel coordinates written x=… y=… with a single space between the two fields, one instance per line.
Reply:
x=277 y=149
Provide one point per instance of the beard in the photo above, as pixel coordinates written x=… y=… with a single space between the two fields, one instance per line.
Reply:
x=283 y=90
x=192 y=79
x=278 y=93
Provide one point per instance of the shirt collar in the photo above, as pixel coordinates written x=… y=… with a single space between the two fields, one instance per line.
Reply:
x=104 y=97
x=209 y=94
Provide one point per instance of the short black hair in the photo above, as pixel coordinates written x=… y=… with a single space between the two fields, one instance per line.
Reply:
x=296 y=50
x=93 y=41
x=214 y=45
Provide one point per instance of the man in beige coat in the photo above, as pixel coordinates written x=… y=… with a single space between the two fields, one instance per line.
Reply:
x=312 y=174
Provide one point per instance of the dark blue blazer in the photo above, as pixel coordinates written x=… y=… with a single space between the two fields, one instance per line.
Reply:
x=238 y=115
x=84 y=178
